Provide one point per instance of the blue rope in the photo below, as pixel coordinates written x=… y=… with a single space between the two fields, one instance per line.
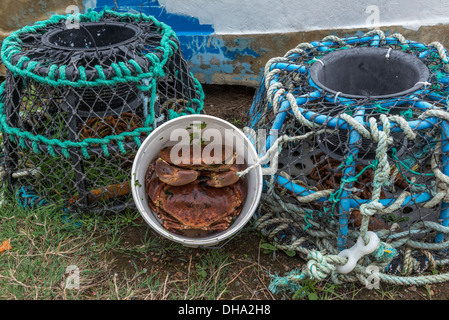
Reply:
x=27 y=199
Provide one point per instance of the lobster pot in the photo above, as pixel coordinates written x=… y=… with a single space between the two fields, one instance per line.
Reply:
x=356 y=140
x=78 y=100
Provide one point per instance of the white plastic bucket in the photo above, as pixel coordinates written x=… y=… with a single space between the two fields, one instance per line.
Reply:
x=159 y=139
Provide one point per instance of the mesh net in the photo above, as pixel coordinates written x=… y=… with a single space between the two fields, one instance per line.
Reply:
x=77 y=103
x=357 y=142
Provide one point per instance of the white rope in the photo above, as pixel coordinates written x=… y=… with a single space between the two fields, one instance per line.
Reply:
x=399 y=37
x=442 y=53
x=321 y=266
x=374 y=133
x=336 y=39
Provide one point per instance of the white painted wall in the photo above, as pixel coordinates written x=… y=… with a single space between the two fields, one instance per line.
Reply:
x=279 y=16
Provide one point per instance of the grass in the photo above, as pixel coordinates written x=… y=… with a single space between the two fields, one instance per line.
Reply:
x=119 y=257
x=113 y=263
x=43 y=247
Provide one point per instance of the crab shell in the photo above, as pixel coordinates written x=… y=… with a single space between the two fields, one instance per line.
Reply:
x=218 y=174
x=196 y=205
x=205 y=161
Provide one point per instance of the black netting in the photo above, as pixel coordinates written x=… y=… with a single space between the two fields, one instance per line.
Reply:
x=77 y=103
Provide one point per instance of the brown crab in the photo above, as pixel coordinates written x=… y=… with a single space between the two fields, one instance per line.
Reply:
x=217 y=174
x=196 y=205
x=204 y=196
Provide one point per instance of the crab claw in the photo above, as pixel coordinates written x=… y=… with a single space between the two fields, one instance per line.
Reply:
x=172 y=175
x=240 y=190
x=224 y=179
x=154 y=188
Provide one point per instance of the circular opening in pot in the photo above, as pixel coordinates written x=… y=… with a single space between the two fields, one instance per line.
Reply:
x=92 y=36
x=369 y=72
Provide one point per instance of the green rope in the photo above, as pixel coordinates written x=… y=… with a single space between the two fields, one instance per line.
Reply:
x=12 y=46
x=393 y=155
x=378 y=108
x=125 y=71
x=335 y=197
x=36 y=139
x=407 y=114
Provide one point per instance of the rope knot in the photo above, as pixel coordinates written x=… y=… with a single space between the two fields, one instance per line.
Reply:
x=371 y=208
x=442 y=188
x=318 y=267
x=385 y=252
x=158 y=71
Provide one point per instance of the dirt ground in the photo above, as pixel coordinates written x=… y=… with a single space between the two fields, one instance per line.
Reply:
x=250 y=268
x=231 y=103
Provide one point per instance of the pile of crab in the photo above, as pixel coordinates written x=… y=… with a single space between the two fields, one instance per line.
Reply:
x=199 y=194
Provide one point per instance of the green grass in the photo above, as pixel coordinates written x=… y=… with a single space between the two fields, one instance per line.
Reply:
x=314 y=290
x=112 y=263
x=43 y=247
x=120 y=257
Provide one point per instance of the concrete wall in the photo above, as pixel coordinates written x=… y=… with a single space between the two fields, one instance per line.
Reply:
x=229 y=42
x=284 y=16
x=15 y=14
x=218 y=58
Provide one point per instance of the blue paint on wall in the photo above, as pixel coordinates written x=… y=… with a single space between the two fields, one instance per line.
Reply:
x=208 y=55
x=205 y=52
x=181 y=24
